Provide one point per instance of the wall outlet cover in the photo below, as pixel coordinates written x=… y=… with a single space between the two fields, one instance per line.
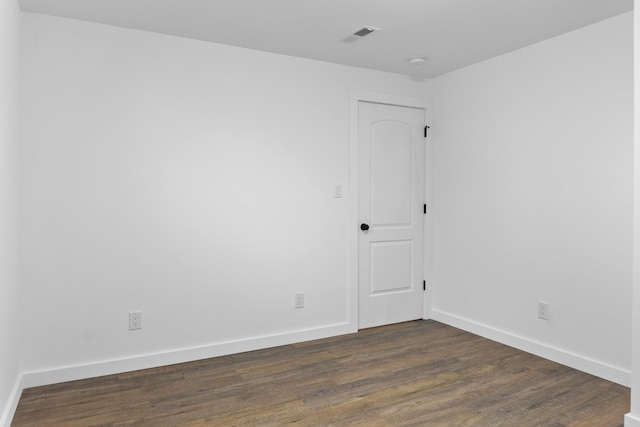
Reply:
x=299 y=300
x=543 y=310
x=135 y=320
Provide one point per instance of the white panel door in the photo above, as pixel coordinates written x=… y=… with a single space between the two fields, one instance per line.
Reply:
x=390 y=209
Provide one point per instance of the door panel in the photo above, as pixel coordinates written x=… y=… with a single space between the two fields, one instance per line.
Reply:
x=391 y=194
x=390 y=174
x=390 y=266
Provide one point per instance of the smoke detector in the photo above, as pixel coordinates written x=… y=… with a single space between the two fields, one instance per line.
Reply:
x=359 y=33
x=417 y=60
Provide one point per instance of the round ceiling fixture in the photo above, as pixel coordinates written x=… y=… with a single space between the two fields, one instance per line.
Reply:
x=417 y=60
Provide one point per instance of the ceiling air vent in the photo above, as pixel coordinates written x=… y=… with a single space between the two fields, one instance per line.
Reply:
x=359 y=33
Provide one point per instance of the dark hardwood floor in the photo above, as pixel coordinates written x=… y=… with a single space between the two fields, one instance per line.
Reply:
x=419 y=373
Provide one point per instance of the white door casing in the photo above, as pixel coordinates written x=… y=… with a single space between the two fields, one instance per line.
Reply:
x=391 y=165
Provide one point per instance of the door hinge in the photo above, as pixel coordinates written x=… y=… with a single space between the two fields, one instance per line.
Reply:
x=425 y=208
x=424 y=285
x=426 y=128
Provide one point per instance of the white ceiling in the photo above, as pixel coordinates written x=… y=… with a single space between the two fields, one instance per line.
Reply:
x=451 y=33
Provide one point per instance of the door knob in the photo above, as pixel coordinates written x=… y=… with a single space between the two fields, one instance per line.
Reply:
x=364 y=227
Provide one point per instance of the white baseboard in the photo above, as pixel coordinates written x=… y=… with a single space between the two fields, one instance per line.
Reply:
x=115 y=366
x=631 y=420
x=581 y=363
x=7 y=416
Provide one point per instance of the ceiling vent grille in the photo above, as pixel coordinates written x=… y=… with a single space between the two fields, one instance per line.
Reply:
x=359 y=33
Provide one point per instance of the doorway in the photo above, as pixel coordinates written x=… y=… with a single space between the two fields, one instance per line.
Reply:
x=390 y=177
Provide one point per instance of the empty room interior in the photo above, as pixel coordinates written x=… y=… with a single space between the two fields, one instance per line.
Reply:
x=300 y=188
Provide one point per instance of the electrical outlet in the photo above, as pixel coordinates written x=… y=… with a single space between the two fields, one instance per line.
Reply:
x=299 y=303
x=135 y=320
x=543 y=310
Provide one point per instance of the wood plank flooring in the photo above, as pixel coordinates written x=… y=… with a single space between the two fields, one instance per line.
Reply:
x=420 y=373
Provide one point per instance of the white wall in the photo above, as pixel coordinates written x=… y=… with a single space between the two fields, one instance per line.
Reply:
x=533 y=172
x=633 y=418
x=189 y=180
x=9 y=136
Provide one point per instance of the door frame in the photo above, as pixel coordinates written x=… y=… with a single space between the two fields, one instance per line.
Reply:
x=355 y=97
